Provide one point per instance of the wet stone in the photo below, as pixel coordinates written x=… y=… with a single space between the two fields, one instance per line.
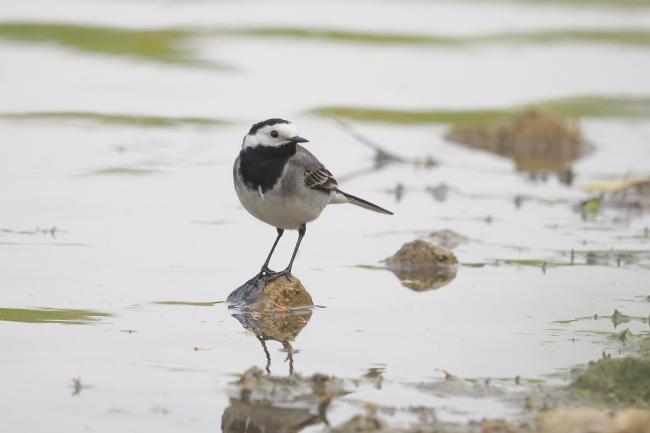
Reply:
x=271 y=294
x=421 y=265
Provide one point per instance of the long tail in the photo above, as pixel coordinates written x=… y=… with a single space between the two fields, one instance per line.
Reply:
x=349 y=198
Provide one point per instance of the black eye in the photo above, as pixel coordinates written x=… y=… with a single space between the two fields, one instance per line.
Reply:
x=274 y=134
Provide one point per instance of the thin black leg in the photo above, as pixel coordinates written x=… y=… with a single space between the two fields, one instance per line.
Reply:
x=301 y=233
x=265 y=267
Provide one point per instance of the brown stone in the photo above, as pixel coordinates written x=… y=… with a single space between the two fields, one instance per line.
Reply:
x=536 y=140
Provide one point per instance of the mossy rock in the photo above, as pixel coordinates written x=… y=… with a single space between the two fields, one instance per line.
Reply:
x=271 y=294
x=421 y=265
x=536 y=140
x=618 y=380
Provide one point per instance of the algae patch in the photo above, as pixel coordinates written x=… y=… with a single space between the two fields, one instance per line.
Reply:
x=113 y=119
x=161 y=46
x=50 y=315
x=638 y=37
x=576 y=107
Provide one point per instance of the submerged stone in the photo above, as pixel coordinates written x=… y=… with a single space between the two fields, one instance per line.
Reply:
x=537 y=141
x=421 y=265
x=271 y=294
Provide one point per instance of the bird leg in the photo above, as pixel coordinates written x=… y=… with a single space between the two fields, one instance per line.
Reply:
x=265 y=267
x=301 y=233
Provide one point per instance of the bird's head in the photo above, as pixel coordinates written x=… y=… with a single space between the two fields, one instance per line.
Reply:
x=272 y=133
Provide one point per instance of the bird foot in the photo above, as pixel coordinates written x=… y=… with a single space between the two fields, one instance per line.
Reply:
x=265 y=272
x=286 y=273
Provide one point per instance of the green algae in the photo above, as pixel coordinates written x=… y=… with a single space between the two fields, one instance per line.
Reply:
x=111 y=119
x=188 y=303
x=167 y=46
x=634 y=37
x=50 y=315
x=616 y=380
x=577 y=107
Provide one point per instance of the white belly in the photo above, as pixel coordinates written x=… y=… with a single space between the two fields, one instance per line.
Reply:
x=283 y=211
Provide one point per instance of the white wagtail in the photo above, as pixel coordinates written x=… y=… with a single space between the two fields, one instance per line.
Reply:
x=282 y=184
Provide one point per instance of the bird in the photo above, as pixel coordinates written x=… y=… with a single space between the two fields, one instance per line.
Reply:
x=281 y=183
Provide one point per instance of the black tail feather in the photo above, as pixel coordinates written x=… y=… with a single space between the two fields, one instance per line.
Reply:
x=363 y=203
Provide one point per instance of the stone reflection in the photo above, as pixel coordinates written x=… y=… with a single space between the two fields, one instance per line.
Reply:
x=276 y=309
x=273 y=308
x=281 y=327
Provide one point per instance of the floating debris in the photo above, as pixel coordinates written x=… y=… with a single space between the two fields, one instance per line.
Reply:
x=421 y=265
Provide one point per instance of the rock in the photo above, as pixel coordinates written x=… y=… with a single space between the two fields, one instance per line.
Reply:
x=421 y=265
x=271 y=294
x=537 y=141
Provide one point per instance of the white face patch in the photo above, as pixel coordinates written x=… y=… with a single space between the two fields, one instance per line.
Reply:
x=265 y=135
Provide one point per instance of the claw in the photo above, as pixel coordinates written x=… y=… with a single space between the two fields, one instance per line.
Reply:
x=286 y=273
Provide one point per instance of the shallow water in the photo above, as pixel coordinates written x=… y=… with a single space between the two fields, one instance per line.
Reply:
x=131 y=233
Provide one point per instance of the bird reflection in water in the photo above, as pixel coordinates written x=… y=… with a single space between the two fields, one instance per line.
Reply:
x=262 y=402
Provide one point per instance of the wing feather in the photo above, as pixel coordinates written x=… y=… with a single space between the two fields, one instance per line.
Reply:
x=320 y=178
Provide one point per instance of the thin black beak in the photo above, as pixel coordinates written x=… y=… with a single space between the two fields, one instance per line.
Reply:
x=298 y=139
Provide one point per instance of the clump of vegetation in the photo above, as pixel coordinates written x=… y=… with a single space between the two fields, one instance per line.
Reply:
x=616 y=380
x=536 y=140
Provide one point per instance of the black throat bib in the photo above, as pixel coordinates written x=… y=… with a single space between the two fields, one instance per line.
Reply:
x=262 y=166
